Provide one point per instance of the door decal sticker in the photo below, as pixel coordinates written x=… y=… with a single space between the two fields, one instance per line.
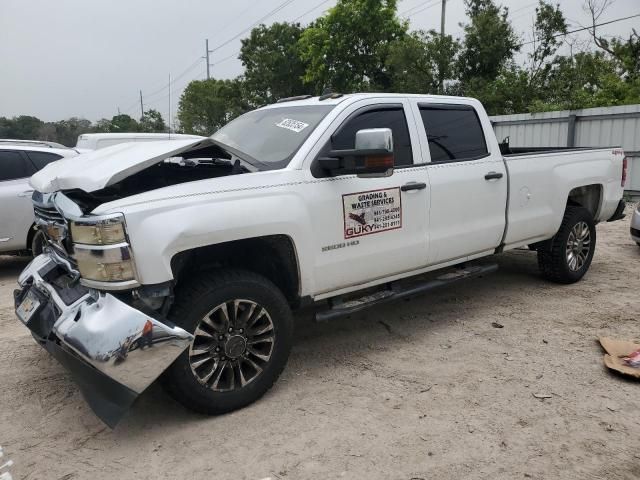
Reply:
x=371 y=212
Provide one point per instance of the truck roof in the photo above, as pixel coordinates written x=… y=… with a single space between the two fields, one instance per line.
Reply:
x=339 y=98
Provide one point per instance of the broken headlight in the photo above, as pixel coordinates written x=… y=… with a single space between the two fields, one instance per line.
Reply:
x=102 y=252
x=100 y=232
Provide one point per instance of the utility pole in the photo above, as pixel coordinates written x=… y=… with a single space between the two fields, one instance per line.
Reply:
x=206 y=57
x=169 y=120
x=442 y=16
x=141 y=106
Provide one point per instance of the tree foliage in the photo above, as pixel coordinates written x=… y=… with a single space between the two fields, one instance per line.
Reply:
x=489 y=42
x=272 y=63
x=67 y=131
x=347 y=48
x=151 y=122
x=362 y=45
x=421 y=61
x=206 y=105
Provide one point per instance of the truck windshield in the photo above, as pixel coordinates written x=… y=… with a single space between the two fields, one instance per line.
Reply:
x=272 y=136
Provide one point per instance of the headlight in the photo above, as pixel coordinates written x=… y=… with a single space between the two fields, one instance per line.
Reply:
x=112 y=264
x=101 y=232
x=102 y=252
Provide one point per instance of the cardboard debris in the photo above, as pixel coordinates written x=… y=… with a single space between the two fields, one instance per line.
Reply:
x=616 y=351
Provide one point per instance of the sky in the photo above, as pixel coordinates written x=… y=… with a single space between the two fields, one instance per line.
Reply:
x=90 y=59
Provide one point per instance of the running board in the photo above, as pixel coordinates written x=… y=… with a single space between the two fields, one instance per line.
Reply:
x=397 y=291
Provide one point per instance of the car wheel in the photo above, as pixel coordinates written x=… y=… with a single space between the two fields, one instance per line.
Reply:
x=243 y=331
x=38 y=243
x=568 y=255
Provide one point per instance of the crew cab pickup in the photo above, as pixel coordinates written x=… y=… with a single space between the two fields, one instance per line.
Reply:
x=185 y=259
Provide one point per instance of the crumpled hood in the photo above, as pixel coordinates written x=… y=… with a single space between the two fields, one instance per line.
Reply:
x=98 y=169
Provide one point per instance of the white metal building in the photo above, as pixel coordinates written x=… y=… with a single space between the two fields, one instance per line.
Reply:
x=591 y=127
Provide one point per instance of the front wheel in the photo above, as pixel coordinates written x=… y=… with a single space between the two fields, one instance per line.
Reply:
x=568 y=255
x=38 y=242
x=243 y=331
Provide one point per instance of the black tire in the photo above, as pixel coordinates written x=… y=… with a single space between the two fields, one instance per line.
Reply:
x=553 y=258
x=38 y=241
x=197 y=299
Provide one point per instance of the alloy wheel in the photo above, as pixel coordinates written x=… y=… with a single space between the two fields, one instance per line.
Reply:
x=232 y=345
x=578 y=246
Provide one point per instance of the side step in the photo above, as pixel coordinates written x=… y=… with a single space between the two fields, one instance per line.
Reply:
x=397 y=291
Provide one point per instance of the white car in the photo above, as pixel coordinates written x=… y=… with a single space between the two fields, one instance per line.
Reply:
x=338 y=202
x=635 y=225
x=96 y=141
x=30 y=143
x=17 y=164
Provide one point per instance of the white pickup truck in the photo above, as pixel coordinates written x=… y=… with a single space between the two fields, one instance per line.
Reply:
x=190 y=269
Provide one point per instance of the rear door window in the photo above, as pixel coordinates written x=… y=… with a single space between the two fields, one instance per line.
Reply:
x=14 y=166
x=42 y=159
x=454 y=133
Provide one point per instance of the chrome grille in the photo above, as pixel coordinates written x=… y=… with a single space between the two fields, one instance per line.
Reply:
x=48 y=215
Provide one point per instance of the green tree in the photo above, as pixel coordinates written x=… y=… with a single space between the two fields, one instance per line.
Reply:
x=421 y=61
x=207 y=105
x=152 y=121
x=549 y=27
x=24 y=127
x=102 y=126
x=489 y=43
x=67 y=131
x=347 y=48
x=123 y=123
x=584 y=80
x=273 y=68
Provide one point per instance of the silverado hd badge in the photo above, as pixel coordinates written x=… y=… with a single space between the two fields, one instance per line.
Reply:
x=370 y=212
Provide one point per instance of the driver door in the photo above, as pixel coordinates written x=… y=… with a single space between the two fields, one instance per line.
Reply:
x=368 y=229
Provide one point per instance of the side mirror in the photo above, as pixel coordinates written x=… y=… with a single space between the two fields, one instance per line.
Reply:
x=371 y=157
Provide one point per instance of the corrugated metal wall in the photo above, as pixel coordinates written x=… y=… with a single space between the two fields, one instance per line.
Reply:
x=591 y=127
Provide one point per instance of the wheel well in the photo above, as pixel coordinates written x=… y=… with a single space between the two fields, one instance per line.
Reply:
x=272 y=256
x=30 y=234
x=587 y=196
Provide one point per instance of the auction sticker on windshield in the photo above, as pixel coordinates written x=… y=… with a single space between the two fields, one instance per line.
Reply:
x=371 y=212
x=293 y=125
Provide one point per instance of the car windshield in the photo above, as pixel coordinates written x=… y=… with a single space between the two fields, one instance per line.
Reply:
x=272 y=136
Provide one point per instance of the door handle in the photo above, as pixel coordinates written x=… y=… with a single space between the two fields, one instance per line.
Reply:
x=26 y=193
x=493 y=176
x=413 y=186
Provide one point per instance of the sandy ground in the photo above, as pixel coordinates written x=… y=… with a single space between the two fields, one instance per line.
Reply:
x=424 y=389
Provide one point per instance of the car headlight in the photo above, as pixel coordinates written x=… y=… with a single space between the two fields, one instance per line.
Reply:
x=102 y=252
x=113 y=264
x=100 y=232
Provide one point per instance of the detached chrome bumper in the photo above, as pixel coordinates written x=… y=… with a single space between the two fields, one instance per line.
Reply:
x=112 y=350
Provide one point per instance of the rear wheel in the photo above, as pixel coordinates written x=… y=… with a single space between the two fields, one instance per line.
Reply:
x=243 y=329
x=568 y=255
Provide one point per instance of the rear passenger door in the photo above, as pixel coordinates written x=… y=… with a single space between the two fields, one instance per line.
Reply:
x=468 y=181
x=16 y=210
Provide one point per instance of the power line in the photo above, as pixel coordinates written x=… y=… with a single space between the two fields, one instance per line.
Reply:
x=309 y=11
x=261 y=19
x=414 y=11
x=584 y=28
x=424 y=8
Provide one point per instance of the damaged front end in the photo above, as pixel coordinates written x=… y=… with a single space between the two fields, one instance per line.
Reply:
x=113 y=348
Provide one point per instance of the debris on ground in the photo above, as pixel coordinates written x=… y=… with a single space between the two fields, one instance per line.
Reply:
x=497 y=325
x=542 y=396
x=622 y=356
